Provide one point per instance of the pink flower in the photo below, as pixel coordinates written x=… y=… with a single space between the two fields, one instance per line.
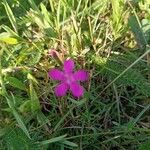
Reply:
x=69 y=79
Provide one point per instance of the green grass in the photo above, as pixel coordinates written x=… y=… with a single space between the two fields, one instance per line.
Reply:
x=110 y=39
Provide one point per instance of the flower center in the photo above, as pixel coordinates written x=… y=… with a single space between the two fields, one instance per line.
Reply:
x=69 y=78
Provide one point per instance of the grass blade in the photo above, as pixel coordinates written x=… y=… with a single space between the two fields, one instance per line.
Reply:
x=134 y=121
x=10 y=15
x=17 y=116
x=136 y=29
x=53 y=140
x=71 y=144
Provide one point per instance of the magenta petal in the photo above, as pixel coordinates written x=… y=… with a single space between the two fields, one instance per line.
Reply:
x=80 y=75
x=61 y=89
x=76 y=89
x=68 y=65
x=56 y=74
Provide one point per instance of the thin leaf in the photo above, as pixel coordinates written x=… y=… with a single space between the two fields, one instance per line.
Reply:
x=71 y=144
x=34 y=6
x=11 y=32
x=10 y=15
x=15 y=138
x=17 y=116
x=134 y=121
x=81 y=102
x=136 y=29
x=35 y=104
x=3 y=132
x=53 y=140
x=62 y=119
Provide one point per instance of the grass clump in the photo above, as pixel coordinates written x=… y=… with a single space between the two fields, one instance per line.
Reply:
x=110 y=39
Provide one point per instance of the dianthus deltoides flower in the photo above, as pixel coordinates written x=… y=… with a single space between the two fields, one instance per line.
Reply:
x=69 y=79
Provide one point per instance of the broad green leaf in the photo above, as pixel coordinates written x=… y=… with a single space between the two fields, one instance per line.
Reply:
x=6 y=37
x=16 y=83
x=9 y=40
